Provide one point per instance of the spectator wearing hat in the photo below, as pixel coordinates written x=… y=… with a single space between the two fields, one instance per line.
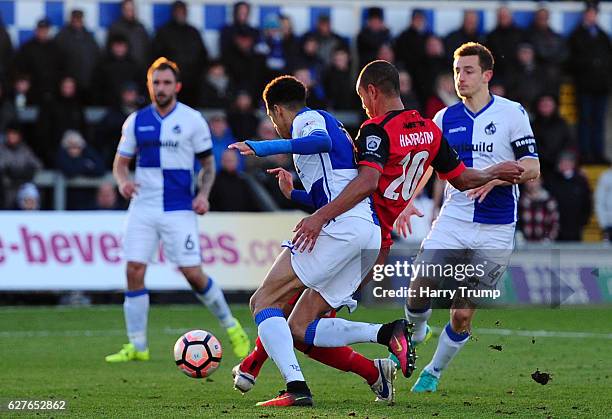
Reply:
x=372 y=36
x=28 y=198
x=328 y=41
x=409 y=46
x=182 y=43
x=130 y=28
x=18 y=164
x=591 y=67
x=115 y=70
x=42 y=61
x=603 y=203
x=80 y=50
x=468 y=32
x=570 y=188
x=271 y=46
x=108 y=130
x=240 y=24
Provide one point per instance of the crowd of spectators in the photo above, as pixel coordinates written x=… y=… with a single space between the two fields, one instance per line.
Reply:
x=62 y=75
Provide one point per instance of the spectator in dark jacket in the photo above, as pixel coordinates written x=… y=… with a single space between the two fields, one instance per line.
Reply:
x=327 y=40
x=7 y=111
x=231 y=192
x=217 y=88
x=434 y=63
x=115 y=71
x=134 y=31
x=79 y=49
x=58 y=116
x=291 y=43
x=372 y=36
x=468 y=32
x=41 y=59
x=552 y=134
x=242 y=118
x=76 y=158
x=538 y=213
x=591 y=68
x=549 y=46
x=503 y=42
x=570 y=189
x=315 y=97
x=18 y=164
x=240 y=24
x=338 y=83
x=407 y=95
x=527 y=81
x=108 y=130
x=106 y=197
x=309 y=58
x=6 y=52
x=22 y=92
x=182 y=43
x=246 y=68
x=222 y=136
x=409 y=46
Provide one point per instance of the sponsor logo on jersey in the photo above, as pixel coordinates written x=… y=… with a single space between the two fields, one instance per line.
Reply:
x=490 y=129
x=416 y=138
x=373 y=142
x=176 y=129
x=458 y=129
x=481 y=147
x=145 y=128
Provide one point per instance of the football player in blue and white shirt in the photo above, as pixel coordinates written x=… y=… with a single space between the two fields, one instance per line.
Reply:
x=330 y=273
x=484 y=130
x=165 y=137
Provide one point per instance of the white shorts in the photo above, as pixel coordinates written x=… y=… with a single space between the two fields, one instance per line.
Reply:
x=343 y=255
x=467 y=243
x=178 y=231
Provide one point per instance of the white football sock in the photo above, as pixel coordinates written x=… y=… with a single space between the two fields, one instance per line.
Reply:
x=449 y=344
x=213 y=298
x=332 y=333
x=419 y=319
x=276 y=337
x=136 y=313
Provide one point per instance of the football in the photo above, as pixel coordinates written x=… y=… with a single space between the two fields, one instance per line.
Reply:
x=198 y=353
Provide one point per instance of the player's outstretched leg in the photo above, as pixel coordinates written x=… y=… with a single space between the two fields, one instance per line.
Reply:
x=449 y=344
x=211 y=295
x=376 y=372
x=136 y=314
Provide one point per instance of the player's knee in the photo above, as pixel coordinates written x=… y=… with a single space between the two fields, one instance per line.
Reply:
x=297 y=327
x=461 y=319
x=135 y=275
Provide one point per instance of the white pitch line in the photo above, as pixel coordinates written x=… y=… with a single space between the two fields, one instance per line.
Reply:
x=537 y=333
x=176 y=331
x=86 y=333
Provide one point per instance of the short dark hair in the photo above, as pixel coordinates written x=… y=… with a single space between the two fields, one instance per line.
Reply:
x=381 y=74
x=285 y=90
x=485 y=58
x=162 y=63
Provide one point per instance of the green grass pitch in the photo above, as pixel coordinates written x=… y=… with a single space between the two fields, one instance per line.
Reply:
x=51 y=353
